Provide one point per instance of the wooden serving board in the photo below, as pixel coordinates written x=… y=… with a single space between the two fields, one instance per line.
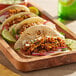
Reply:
x=6 y=72
x=35 y=63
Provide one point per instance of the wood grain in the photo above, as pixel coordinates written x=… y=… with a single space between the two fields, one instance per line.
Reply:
x=41 y=62
x=6 y=72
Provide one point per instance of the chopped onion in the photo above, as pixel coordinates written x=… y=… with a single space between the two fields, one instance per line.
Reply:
x=39 y=38
x=27 y=44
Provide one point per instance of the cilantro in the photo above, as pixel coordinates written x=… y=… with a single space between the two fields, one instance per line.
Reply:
x=64 y=49
x=13 y=32
x=32 y=41
x=18 y=49
x=62 y=33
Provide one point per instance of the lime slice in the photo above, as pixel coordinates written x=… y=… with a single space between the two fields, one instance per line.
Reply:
x=7 y=36
x=34 y=10
x=71 y=43
x=66 y=2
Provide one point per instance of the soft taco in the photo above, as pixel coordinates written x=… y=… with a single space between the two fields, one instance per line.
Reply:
x=11 y=10
x=19 y=28
x=15 y=19
x=37 y=40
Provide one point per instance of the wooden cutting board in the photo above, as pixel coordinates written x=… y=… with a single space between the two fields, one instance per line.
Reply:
x=6 y=72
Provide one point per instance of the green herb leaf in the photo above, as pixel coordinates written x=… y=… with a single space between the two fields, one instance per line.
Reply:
x=32 y=41
x=64 y=49
x=13 y=32
x=18 y=49
x=62 y=33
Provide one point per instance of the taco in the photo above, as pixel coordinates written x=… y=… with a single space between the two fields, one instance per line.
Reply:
x=39 y=39
x=11 y=10
x=17 y=29
x=15 y=19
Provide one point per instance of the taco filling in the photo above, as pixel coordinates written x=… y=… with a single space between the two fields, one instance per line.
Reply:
x=16 y=20
x=43 y=46
x=23 y=28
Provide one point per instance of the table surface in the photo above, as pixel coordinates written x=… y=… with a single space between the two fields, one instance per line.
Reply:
x=67 y=70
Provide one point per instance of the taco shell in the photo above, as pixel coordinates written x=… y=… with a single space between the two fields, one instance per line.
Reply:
x=34 y=32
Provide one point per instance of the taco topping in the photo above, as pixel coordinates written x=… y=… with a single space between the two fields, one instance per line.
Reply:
x=14 y=11
x=43 y=45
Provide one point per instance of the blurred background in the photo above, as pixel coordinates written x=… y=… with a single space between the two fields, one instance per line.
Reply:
x=51 y=6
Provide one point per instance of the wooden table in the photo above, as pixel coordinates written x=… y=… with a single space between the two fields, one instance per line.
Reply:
x=67 y=70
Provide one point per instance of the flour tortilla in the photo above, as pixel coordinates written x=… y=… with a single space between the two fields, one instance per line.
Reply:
x=17 y=16
x=32 y=33
x=22 y=7
x=26 y=21
x=3 y=15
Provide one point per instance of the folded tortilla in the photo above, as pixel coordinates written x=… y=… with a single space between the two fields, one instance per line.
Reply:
x=35 y=32
x=11 y=10
x=17 y=18
x=26 y=24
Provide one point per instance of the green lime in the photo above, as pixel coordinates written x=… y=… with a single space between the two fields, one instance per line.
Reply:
x=34 y=10
x=7 y=36
x=71 y=43
x=66 y=2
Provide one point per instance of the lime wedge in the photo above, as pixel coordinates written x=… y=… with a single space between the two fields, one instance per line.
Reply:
x=66 y=2
x=34 y=10
x=7 y=36
x=71 y=43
